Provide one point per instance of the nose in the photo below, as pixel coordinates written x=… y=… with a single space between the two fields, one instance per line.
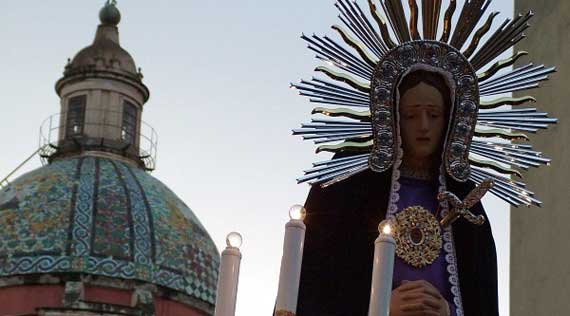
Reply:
x=424 y=121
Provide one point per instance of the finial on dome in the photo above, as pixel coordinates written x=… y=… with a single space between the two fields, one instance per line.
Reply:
x=109 y=14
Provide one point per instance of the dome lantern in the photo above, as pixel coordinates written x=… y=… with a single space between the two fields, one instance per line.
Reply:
x=102 y=99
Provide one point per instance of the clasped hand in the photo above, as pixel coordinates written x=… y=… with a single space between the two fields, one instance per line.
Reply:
x=418 y=298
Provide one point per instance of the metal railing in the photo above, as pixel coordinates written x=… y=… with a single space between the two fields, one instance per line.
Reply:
x=102 y=124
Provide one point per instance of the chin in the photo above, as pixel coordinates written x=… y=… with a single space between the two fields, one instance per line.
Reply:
x=424 y=153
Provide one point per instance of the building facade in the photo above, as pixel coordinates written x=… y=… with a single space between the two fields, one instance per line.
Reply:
x=540 y=273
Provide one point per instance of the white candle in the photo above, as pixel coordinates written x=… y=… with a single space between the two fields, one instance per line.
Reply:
x=290 y=274
x=382 y=271
x=228 y=276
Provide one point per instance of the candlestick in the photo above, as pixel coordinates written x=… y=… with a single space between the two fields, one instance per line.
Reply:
x=228 y=276
x=291 y=260
x=382 y=271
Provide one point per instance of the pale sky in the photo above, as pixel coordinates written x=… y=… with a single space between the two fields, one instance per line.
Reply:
x=218 y=72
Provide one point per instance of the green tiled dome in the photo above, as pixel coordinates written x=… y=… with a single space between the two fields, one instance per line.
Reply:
x=104 y=217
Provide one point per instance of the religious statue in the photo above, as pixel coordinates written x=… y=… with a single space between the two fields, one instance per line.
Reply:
x=414 y=142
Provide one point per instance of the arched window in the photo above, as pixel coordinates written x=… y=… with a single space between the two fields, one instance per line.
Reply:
x=75 y=116
x=129 y=126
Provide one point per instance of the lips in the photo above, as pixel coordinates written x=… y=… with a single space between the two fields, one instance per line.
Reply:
x=423 y=139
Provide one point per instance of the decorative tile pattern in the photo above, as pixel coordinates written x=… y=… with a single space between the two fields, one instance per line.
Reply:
x=83 y=213
x=104 y=217
x=113 y=231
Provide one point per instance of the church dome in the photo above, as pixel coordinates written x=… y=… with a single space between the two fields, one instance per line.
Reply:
x=104 y=53
x=90 y=215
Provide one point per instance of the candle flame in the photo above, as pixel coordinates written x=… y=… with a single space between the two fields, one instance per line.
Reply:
x=297 y=212
x=234 y=240
x=385 y=227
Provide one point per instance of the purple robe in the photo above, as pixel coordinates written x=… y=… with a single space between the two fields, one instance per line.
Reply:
x=422 y=193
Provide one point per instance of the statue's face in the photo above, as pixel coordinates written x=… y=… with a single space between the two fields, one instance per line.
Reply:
x=422 y=122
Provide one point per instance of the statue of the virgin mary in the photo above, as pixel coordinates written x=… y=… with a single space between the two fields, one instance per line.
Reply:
x=414 y=143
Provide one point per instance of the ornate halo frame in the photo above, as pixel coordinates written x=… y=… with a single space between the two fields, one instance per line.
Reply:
x=485 y=137
x=383 y=89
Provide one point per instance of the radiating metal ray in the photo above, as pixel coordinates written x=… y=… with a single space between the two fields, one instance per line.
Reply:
x=513 y=72
x=325 y=91
x=339 y=160
x=330 y=126
x=506 y=192
x=318 y=133
x=336 y=103
x=347 y=147
x=479 y=34
x=516 y=154
x=508 y=187
x=332 y=85
x=519 y=120
x=365 y=63
x=354 y=29
x=345 y=176
x=342 y=66
x=518 y=148
x=370 y=61
x=447 y=19
x=501 y=64
x=501 y=40
x=329 y=121
x=342 y=112
x=527 y=117
x=397 y=18
x=337 y=57
x=333 y=60
x=353 y=21
x=507 y=158
x=470 y=15
x=430 y=16
x=493 y=163
x=331 y=135
x=371 y=29
x=531 y=73
x=511 y=126
x=340 y=164
x=505 y=101
x=330 y=171
x=536 y=74
x=509 y=111
x=360 y=86
x=487 y=173
x=500 y=133
x=414 y=33
x=509 y=89
x=363 y=137
x=329 y=174
x=382 y=25
x=335 y=100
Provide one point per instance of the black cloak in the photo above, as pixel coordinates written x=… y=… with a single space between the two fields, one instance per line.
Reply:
x=342 y=225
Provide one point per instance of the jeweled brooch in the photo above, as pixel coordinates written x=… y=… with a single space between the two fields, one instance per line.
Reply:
x=418 y=236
